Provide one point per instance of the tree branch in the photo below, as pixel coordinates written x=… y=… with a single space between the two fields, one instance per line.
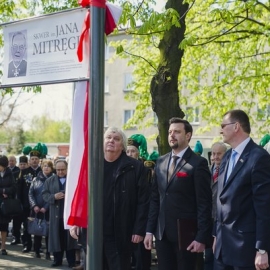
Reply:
x=263 y=5
x=253 y=55
x=140 y=5
x=252 y=20
x=138 y=56
x=223 y=34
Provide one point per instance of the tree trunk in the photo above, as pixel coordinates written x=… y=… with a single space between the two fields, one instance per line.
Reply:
x=164 y=85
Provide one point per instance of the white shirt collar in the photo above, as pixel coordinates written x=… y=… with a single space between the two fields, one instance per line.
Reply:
x=240 y=148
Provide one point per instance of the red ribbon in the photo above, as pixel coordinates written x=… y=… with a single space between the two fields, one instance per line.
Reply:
x=84 y=38
x=109 y=24
x=95 y=3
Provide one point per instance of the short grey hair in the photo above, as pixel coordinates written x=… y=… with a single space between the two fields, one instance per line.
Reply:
x=122 y=134
x=222 y=144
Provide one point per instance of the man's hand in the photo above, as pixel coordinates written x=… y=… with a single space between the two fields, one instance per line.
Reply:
x=59 y=195
x=36 y=209
x=261 y=261
x=74 y=232
x=136 y=238
x=43 y=210
x=196 y=247
x=148 y=241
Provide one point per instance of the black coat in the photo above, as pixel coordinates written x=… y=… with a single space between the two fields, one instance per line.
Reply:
x=6 y=182
x=25 y=179
x=131 y=193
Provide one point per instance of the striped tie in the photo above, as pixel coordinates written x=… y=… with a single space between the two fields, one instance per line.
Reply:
x=172 y=167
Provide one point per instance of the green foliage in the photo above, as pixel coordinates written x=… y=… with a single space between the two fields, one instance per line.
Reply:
x=46 y=130
x=16 y=142
x=228 y=49
x=226 y=62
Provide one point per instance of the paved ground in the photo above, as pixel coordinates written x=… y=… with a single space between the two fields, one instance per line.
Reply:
x=18 y=260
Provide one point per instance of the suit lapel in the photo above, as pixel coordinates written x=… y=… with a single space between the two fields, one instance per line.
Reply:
x=241 y=161
x=180 y=165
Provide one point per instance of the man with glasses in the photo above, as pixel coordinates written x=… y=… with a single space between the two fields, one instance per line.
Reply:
x=59 y=239
x=18 y=66
x=243 y=203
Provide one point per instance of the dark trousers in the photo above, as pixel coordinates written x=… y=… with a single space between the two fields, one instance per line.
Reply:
x=26 y=238
x=16 y=227
x=70 y=254
x=112 y=259
x=169 y=257
x=219 y=265
x=142 y=257
x=37 y=243
x=208 y=259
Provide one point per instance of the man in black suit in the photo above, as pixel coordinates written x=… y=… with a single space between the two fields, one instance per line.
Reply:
x=243 y=201
x=181 y=197
x=218 y=150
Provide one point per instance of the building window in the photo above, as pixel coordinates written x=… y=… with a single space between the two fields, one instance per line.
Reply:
x=106 y=124
x=192 y=115
x=106 y=85
x=263 y=114
x=128 y=82
x=127 y=115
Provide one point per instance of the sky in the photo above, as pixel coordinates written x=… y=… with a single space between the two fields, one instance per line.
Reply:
x=55 y=101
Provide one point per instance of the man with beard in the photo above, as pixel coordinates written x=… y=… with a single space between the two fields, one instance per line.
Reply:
x=180 y=206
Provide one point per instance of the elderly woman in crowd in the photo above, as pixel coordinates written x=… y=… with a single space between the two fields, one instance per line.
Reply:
x=59 y=238
x=38 y=206
x=7 y=190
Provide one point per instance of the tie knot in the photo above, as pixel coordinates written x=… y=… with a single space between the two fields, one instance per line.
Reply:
x=175 y=158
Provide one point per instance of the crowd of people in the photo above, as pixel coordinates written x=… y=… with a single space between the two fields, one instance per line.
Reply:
x=197 y=214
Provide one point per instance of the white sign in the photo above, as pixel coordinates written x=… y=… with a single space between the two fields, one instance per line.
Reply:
x=44 y=50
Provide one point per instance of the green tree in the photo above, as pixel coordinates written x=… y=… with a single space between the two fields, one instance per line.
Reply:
x=207 y=53
x=16 y=140
x=46 y=130
x=223 y=62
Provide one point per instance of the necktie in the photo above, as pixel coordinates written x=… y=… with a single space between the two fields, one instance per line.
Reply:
x=172 y=167
x=231 y=164
x=215 y=175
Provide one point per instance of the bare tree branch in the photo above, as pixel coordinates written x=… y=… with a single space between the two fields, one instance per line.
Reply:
x=263 y=5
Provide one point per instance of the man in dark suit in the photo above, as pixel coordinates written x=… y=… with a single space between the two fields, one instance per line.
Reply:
x=218 y=150
x=180 y=196
x=243 y=201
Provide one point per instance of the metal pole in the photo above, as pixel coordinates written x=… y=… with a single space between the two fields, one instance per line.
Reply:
x=95 y=139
